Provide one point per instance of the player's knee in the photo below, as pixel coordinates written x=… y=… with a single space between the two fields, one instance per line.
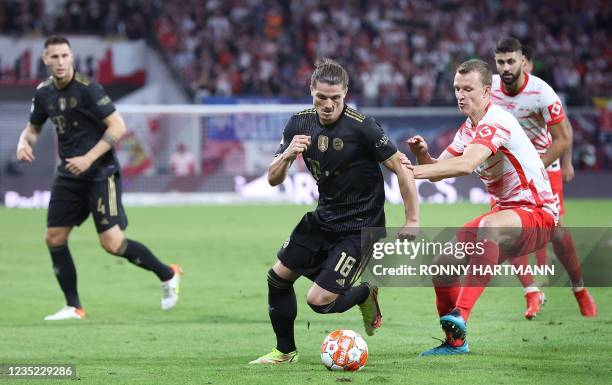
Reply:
x=558 y=234
x=114 y=246
x=55 y=239
x=275 y=282
x=323 y=308
x=320 y=298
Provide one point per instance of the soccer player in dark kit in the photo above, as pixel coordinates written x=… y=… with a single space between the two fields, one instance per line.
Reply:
x=88 y=178
x=342 y=150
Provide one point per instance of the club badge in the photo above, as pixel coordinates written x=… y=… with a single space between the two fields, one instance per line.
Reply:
x=323 y=143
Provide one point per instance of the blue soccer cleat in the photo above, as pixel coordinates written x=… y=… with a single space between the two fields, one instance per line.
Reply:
x=454 y=325
x=445 y=349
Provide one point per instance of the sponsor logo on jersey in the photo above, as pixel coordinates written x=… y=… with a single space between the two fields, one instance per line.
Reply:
x=383 y=141
x=485 y=132
x=555 y=109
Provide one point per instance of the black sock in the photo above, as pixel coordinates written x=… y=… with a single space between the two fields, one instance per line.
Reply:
x=282 y=308
x=141 y=256
x=354 y=296
x=65 y=272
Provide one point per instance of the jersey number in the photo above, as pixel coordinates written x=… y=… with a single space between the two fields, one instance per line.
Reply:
x=345 y=264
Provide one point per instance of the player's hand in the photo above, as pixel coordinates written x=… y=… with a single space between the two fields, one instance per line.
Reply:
x=78 y=164
x=567 y=171
x=418 y=145
x=406 y=162
x=409 y=231
x=404 y=159
x=298 y=145
x=24 y=152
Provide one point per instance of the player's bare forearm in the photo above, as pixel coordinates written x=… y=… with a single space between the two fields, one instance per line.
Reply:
x=425 y=158
x=449 y=167
x=277 y=172
x=561 y=140
x=115 y=129
x=441 y=170
x=27 y=140
x=567 y=155
x=278 y=169
x=567 y=167
x=407 y=187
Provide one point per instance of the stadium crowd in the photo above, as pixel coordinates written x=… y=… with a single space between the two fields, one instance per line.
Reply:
x=400 y=52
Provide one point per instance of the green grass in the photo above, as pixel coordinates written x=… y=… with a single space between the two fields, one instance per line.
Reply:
x=221 y=321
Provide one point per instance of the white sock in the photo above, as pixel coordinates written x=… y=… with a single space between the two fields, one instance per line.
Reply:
x=530 y=289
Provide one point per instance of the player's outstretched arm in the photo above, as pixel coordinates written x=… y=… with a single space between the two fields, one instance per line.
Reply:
x=115 y=129
x=445 y=155
x=473 y=155
x=560 y=141
x=27 y=140
x=409 y=194
x=278 y=169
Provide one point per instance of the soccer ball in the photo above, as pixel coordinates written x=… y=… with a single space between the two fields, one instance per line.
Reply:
x=344 y=350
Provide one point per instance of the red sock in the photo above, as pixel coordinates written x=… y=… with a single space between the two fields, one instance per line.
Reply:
x=565 y=250
x=542 y=256
x=475 y=284
x=525 y=279
x=446 y=298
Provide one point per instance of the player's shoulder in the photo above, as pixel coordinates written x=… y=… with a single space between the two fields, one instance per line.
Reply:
x=538 y=84
x=45 y=84
x=355 y=115
x=305 y=113
x=498 y=116
x=82 y=79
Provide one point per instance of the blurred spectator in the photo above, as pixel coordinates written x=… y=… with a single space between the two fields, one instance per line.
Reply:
x=399 y=52
x=182 y=161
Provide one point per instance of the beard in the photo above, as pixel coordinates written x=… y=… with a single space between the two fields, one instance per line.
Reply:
x=510 y=78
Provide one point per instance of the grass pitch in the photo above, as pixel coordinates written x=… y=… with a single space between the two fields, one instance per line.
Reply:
x=221 y=321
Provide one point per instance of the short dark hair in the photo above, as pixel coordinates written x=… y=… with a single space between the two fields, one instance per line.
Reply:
x=477 y=65
x=330 y=72
x=528 y=52
x=56 y=39
x=508 y=44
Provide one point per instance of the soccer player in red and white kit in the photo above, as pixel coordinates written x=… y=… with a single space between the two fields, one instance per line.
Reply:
x=540 y=113
x=491 y=143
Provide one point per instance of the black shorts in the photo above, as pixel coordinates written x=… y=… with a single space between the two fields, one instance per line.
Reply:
x=332 y=260
x=73 y=199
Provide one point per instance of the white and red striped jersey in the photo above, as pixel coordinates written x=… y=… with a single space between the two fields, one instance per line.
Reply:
x=514 y=174
x=536 y=106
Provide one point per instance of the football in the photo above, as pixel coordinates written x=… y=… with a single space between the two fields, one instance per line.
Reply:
x=344 y=350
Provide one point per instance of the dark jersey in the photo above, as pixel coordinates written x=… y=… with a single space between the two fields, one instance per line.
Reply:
x=344 y=159
x=77 y=111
